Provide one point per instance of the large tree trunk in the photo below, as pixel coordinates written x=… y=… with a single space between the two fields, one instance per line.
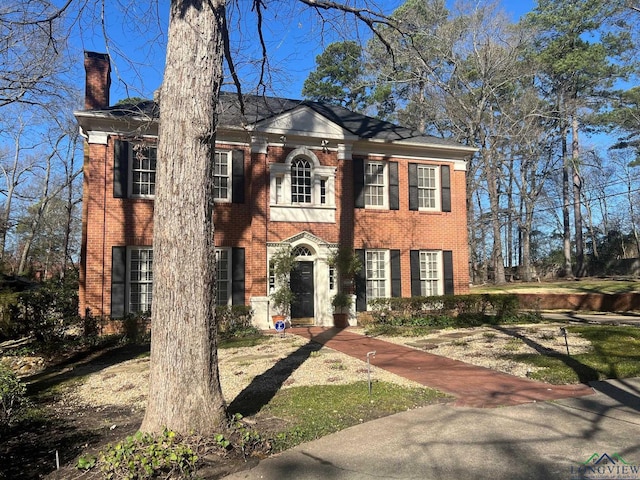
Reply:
x=185 y=393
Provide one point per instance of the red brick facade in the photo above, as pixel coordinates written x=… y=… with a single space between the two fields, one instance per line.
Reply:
x=110 y=222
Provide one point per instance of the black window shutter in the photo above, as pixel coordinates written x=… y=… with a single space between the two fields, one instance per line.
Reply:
x=394 y=189
x=416 y=286
x=361 y=283
x=447 y=260
x=396 y=278
x=445 y=186
x=358 y=182
x=120 y=169
x=118 y=281
x=413 y=187
x=237 y=276
x=237 y=180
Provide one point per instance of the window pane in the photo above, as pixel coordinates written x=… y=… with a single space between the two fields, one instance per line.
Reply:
x=427 y=187
x=374 y=184
x=140 y=280
x=143 y=169
x=301 y=181
x=429 y=273
x=223 y=292
x=221 y=175
x=376 y=274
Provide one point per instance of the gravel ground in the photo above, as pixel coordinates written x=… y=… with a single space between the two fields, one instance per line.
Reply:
x=126 y=384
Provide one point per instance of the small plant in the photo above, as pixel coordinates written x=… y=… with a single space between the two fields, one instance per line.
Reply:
x=489 y=335
x=513 y=345
x=12 y=396
x=145 y=456
x=86 y=462
x=341 y=302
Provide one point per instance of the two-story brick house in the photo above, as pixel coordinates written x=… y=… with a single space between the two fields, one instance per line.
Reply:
x=297 y=173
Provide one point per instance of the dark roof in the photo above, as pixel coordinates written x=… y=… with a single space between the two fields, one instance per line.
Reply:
x=259 y=108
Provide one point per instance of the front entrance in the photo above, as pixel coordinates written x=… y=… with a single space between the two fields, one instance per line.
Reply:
x=302 y=308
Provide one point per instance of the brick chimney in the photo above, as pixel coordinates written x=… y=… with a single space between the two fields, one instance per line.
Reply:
x=98 y=80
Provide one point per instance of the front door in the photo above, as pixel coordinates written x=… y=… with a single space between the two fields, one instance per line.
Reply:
x=302 y=287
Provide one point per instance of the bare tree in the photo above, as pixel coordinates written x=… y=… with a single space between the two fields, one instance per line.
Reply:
x=32 y=60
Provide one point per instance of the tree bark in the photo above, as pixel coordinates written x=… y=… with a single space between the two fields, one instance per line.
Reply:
x=577 y=196
x=185 y=394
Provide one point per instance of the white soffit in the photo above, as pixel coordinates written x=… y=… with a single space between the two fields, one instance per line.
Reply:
x=303 y=121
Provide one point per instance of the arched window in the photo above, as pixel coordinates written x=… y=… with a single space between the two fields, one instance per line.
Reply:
x=301 y=251
x=301 y=181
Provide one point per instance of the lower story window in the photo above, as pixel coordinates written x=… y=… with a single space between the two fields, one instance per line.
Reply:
x=430 y=276
x=140 y=280
x=376 y=272
x=223 y=274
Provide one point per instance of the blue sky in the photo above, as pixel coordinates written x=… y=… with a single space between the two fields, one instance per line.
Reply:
x=294 y=39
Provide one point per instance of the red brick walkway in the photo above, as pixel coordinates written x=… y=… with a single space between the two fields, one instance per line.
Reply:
x=472 y=386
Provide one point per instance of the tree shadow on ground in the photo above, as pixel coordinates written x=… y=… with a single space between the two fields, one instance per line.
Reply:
x=584 y=372
x=265 y=386
x=82 y=364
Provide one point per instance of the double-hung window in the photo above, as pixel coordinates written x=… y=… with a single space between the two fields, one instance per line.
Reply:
x=377 y=274
x=430 y=273
x=140 y=280
x=223 y=276
x=428 y=186
x=143 y=161
x=375 y=184
x=222 y=170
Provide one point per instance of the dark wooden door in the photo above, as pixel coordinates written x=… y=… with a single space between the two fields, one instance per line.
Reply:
x=302 y=287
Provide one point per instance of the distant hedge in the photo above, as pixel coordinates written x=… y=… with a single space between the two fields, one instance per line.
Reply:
x=447 y=310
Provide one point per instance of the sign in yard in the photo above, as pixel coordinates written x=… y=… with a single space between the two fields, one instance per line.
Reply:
x=280 y=326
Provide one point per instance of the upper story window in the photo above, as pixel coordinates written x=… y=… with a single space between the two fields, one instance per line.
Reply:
x=143 y=160
x=222 y=180
x=301 y=181
x=135 y=164
x=302 y=190
x=375 y=184
x=428 y=186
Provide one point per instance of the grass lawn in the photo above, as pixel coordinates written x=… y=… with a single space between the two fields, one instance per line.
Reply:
x=582 y=285
x=615 y=353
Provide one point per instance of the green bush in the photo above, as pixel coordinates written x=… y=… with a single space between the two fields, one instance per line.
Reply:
x=12 y=396
x=445 y=311
x=235 y=321
x=136 y=327
x=48 y=310
x=147 y=456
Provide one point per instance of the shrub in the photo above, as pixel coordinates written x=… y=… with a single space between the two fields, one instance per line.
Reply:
x=12 y=396
x=445 y=311
x=235 y=321
x=136 y=327
x=47 y=310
